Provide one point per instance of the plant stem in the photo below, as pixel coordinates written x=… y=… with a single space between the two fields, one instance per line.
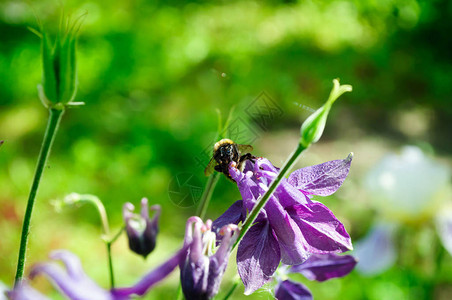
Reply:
x=49 y=136
x=207 y=195
x=108 y=243
x=106 y=229
x=110 y=266
x=114 y=238
x=109 y=240
x=232 y=289
x=100 y=209
x=261 y=203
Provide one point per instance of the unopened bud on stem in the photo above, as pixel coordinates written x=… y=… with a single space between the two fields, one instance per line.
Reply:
x=312 y=128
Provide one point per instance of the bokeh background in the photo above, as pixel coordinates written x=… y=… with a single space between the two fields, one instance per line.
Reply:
x=153 y=75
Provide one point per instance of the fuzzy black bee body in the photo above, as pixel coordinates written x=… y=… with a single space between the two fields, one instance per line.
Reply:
x=226 y=151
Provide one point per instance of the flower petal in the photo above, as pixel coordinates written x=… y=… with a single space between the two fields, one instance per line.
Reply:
x=293 y=246
x=233 y=215
x=258 y=256
x=322 y=267
x=288 y=195
x=73 y=283
x=23 y=291
x=444 y=228
x=323 y=179
x=153 y=277
x=320 y=228
x=289 y=290
x=376 y=252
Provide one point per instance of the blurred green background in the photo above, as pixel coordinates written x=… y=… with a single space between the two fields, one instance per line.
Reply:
x=153 y=74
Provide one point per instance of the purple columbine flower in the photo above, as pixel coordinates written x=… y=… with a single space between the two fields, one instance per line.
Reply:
x=72 y=281
x=202 y=270
x=141 y=230
x=23 y=291
x=319 y=267
x=291 y=227
x=289 y=290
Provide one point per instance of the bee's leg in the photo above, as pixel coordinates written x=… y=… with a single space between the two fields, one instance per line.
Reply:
x=218 y=168
x=244 y=158
x=247 y=156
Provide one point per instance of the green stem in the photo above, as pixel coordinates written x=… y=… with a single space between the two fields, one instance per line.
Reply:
x=207 y=195
x=108 y=243
x=110 y=266
x=114 y=238
x=101 y=209
x=49 y=136
x=261 y=203
x=94 y=200
x=232 y=289
x=106 y=229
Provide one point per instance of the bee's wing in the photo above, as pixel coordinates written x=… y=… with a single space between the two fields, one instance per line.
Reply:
x=210 y=167
x=245 y=148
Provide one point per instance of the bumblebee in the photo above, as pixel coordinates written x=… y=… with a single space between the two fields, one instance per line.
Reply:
x=226 y=151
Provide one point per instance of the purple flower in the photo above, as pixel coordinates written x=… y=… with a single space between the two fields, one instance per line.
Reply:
x=319 y=267
x=291 y=227
x=141 y=230
x=202 y=270
x=289 y=290
x=23 y=291
x=72 y=281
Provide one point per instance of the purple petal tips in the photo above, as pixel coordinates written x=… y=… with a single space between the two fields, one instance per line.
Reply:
x=203 y=268
x=23 y=291
x=72 y=281
x=141 y=230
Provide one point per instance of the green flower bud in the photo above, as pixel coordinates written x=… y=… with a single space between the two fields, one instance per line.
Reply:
x=59 y=68
x=312 y=128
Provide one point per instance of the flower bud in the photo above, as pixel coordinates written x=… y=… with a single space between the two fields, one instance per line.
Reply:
x=141 y=230
x=59 y=73
x=312 y=128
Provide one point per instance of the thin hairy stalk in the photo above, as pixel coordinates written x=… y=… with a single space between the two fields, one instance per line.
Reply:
x=49 y=136
x=207 y=195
